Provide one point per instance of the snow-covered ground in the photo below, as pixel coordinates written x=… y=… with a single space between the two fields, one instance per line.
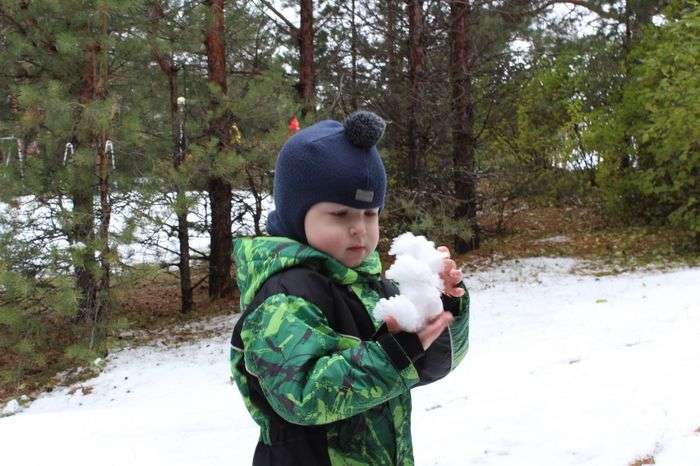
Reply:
x=563 y=369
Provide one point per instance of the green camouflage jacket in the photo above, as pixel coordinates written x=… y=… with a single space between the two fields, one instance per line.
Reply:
x=325 y=381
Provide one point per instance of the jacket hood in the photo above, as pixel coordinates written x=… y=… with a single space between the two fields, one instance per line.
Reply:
x=258 y=258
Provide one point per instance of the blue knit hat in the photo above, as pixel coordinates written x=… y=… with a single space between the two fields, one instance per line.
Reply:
x=328 y=162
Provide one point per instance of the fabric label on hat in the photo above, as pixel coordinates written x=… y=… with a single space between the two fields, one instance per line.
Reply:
x=364 y=196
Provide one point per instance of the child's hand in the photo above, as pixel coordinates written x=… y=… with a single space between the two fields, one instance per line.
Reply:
x=451 y=275
x=430 y=332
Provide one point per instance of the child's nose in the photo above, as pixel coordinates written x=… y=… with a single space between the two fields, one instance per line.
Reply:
x=357 y=229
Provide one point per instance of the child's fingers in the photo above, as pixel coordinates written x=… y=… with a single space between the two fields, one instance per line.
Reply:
x=392 y=324
x=444 y=249
x=436 y=320
x=452 y=281
x=435 y=328
x=447 y=266
x=456 y=278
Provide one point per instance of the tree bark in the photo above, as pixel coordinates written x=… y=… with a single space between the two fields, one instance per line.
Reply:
x=416 y=95
x=463 y=141
x=220 y=283
x=305 y=39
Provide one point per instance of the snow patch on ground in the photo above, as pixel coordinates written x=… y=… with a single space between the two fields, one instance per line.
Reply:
x=563 y=369
x=553 y=239
x=10 y=408
x=153 y=244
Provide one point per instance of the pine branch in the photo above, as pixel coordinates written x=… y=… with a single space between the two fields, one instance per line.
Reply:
x=48 y=46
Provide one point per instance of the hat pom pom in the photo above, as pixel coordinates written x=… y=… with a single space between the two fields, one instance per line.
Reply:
x=364 y=129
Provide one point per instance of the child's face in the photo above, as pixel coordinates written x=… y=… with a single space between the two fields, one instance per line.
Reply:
x=347 y=234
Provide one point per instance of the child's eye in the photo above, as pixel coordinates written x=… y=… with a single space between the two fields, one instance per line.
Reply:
x=371 y=213
x=340 y=213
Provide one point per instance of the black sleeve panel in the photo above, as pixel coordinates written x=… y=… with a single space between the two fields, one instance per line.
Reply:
x=436 y=361
x=401 y=356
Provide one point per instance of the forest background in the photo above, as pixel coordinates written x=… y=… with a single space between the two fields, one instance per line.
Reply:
x=515 y=128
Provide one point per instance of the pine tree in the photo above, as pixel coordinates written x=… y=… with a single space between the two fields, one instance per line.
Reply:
x=70 y=116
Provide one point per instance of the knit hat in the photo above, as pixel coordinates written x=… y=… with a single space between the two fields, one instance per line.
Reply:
x=328 y=162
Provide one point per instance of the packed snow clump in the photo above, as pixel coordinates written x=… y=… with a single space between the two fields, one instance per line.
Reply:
x=417 y=271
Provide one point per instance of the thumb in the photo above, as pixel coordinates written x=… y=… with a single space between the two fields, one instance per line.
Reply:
x=392 y=324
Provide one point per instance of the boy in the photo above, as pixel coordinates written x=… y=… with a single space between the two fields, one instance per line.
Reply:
x=328 y=384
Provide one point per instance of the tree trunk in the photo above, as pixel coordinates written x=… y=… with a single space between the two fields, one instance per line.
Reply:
x=393 y=103
x=93 y=280
x=416 y=95
x=258 y=196
x=354 y=101
x=183 y=234
x=103 y=169
x=82 y=232
x=220 y=283
x=463 y=141
x=177 y=130
x=394 y=67
x=306 y=57
x=103 y=288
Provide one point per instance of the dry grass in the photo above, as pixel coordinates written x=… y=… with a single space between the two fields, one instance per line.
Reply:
x=154 y=302
x=152 y=308
x=581 y=232
x=646 y=460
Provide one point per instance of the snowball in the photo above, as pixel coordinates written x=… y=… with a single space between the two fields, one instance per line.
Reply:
x=409 y=272
x=420 y=248
x=417 y=271
x=401 y=308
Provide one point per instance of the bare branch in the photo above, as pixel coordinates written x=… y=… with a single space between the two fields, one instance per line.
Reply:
x=292 y=28
x=590 y=6
x=204 y=278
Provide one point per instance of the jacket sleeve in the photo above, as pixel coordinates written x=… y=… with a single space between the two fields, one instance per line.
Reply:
x=451 y=346
x=312 y=375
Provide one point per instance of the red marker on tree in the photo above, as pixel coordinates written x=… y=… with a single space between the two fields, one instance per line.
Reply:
x=293 y=126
